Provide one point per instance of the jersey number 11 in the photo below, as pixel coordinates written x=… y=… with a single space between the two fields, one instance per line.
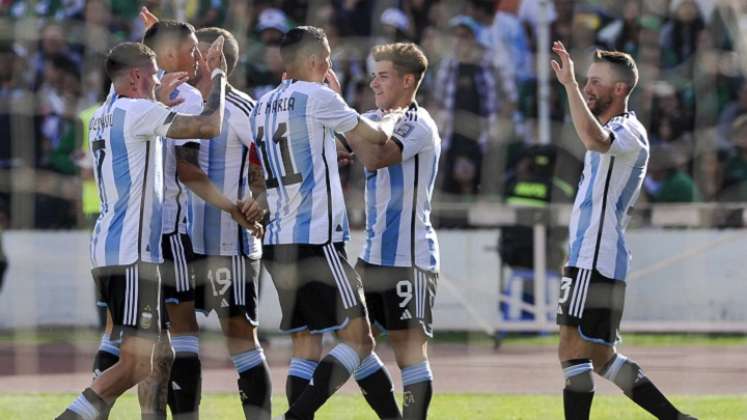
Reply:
x=281 y=139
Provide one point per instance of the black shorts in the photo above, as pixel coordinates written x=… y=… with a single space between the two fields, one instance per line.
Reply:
x=399 y=298
x=177 y=270
x=227 y=285
x=133 y=295
x=592 y=302
x=317 y=287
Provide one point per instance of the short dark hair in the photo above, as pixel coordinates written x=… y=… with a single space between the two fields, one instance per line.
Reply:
x=300 y=40
x=623 y=64
x=165 y=33
x=127 y=55
x=230 y=44
x=406 y=58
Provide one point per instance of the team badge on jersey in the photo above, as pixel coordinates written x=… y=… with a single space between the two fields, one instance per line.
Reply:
x=146 y=317
x=403 y=130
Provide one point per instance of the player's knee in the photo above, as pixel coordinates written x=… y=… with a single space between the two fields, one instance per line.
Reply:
x=601 y=359
x=578 y=376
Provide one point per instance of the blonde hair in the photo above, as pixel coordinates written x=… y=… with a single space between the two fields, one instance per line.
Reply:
x=406 y=57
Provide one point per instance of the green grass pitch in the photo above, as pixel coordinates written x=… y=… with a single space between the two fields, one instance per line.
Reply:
x=444 y=407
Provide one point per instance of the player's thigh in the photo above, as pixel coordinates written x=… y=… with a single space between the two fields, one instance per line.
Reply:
x=182 y=319
x=357 y=333
x=306 y=345
x=571 y=345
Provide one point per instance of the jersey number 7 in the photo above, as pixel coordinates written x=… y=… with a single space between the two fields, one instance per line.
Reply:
x=281 y=139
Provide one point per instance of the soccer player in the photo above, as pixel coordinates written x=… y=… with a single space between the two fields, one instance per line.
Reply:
x=293 y=127
x=228 y=255
x=592 y=290
x=399 y=261
x=126 y=135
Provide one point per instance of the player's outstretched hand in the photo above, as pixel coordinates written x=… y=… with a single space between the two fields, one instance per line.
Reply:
x=333 y=82
x=563 y=70
x=169 y=82
x=251 y=210
x=148 y=18
x=215 y=58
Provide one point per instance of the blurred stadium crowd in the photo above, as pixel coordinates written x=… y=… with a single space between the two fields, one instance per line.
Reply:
x=481 y=87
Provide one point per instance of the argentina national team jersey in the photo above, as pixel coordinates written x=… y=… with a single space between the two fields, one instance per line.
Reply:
x=125 y=142
x=225 y=161
x=608 y=190
x=175 y=194
x=293 y=127
x=398 y=198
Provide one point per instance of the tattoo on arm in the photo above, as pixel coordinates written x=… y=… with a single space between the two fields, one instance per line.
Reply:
x=204 y=125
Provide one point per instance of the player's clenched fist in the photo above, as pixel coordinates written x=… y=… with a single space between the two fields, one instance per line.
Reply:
x=251 y=210
x=563 y=70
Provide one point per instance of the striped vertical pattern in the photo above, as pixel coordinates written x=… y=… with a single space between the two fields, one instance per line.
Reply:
x=338 y=272
x=180 y=263
x=580 y=290
x=131 y=296
x=238 y=279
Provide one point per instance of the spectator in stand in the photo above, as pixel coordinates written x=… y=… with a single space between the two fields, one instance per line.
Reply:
x=502 y=36
x=511 y=43
x=729 y=115
x=419 y=12
x=204 y=13
x=353 y=17
x=465 y=94
x=395 y=27
x=52 y=9
x=667 y=181
x=679 y=36
x=734 y=187
x=622 y=33
x=52 y=44
x=667 y=107
x=265 y=65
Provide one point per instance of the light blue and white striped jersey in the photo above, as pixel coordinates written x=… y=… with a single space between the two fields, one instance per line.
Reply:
x=293 y=127
x=125 y=142
x=225 y=161
x=398 y=198
x=609 y=188
x=175 y=193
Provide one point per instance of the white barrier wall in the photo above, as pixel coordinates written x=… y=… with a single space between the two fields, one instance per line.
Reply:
x=677 y=275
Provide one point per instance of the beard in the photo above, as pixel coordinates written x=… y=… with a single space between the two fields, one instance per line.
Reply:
x=601 y=104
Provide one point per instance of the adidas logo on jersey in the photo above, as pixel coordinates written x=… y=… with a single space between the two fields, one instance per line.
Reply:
x=338 y=228
x=223 y=303
x=175 y=386
x=405 y=315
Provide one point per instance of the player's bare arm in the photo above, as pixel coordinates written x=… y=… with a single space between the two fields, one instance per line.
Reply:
x=209 y=123
x=589 y=130
x=190 y=173
x=374 y=153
